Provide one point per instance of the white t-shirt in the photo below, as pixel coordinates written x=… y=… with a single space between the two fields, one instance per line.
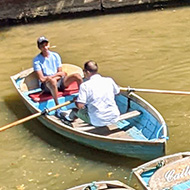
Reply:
x=98 y=93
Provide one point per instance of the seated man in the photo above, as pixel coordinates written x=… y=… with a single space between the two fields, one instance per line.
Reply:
x=48 y=67
x=96 y=99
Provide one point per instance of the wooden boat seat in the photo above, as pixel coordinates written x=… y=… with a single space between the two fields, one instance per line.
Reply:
x=129 y=115
x=113 y=130
x=84 y=126
x=135 y=133
x=120 y=134
x=107 y=130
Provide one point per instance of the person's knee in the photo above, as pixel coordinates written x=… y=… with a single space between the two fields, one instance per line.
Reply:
x=71 y=78
x=52 y=83
x=83 y=114
x=77 y=77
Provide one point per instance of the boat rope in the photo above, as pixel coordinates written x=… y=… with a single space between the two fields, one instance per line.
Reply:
x=157 y=134
x=160 y=164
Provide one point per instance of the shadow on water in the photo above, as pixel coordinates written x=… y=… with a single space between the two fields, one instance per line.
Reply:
x=65 y=144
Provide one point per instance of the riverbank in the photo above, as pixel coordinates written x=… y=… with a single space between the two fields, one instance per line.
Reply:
x=26 y=11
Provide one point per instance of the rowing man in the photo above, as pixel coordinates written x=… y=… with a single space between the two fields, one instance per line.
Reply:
x=96 y=99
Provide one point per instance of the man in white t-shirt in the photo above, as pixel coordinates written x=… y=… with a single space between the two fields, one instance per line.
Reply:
x=96 y=99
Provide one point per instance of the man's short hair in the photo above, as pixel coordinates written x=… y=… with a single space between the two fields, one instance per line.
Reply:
x=91 y=66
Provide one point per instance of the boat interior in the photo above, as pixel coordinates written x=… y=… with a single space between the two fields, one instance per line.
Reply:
x=136 y=122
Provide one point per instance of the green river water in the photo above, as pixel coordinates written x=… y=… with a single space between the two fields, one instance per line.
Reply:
x=140 y=50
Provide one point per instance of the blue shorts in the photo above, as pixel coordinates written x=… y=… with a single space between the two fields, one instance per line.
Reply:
x=60 y=85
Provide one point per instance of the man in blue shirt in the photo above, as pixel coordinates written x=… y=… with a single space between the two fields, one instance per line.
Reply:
x=48 y=67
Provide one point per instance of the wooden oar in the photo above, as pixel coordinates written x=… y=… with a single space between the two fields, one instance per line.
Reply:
x=34 y=116
x=154 y=91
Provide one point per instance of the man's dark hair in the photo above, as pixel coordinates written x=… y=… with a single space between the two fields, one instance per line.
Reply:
x=91 y=66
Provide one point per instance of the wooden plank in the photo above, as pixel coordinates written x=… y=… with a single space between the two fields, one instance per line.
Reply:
x=120 y=134
x=87 y=127
x=103 y=130
x=78 y=123
x=110 y=130
x=171 y=174
x=129 y=115
x=112 y=127
x=102 y=186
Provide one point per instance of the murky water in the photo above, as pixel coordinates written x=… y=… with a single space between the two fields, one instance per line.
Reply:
x=141 y=50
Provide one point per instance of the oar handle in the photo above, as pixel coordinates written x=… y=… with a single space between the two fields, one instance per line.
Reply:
x=20 y=121
x=34 y=116
x=154 y=91
x=60 y=105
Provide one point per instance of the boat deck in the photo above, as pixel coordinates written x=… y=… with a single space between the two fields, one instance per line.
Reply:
x=122 y=129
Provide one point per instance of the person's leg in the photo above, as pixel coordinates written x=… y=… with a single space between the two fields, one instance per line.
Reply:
x=52 y=85
x=71 y=78
x=83 y=114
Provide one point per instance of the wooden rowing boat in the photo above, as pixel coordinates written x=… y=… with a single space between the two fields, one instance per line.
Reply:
x=103 y=185
x=167 y=172
x=141 y=133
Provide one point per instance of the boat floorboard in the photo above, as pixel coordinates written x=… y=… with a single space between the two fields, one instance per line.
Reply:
x=109 y=131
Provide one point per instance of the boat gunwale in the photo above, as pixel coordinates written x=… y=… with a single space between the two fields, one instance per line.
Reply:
x=66 y=130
